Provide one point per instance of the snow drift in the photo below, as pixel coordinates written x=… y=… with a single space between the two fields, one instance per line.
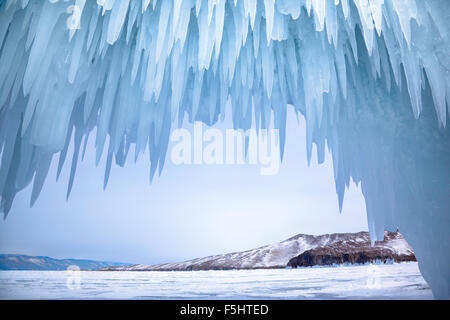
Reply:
x=371 y=78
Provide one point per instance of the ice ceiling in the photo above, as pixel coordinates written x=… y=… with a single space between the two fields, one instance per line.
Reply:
x=371 y=77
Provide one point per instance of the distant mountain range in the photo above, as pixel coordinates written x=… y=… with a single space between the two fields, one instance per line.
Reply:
x=24 y=262
x=301 y=250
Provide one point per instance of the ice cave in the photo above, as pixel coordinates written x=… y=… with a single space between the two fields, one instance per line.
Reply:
x=371 y=78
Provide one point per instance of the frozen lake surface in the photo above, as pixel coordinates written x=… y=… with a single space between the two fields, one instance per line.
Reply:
x=395 y=281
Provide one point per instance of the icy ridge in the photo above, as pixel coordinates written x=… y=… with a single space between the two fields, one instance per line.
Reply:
x=131 y=67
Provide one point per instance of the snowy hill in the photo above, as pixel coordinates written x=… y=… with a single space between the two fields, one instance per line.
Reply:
x=25 y=262
x=357 y=251
x=278 y=255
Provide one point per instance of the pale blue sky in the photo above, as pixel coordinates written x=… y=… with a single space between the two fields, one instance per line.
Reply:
x=190 y=211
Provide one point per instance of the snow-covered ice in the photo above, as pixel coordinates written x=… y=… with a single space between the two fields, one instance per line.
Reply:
x=395 y=281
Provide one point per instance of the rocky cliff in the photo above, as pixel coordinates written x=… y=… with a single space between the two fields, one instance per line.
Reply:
x=357 y=251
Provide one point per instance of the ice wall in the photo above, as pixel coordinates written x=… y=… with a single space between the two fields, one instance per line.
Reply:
x=371 y=78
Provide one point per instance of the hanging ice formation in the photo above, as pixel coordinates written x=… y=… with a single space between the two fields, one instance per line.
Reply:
x=371 y=78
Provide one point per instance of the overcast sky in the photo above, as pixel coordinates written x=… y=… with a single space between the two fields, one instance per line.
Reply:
x=190 y=211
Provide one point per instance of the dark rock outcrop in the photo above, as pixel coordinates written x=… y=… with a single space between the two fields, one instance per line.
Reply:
x=355 y=251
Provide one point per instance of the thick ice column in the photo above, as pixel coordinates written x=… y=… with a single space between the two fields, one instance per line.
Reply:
x=402 y=163
x=403 y=167
x=406 y=184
